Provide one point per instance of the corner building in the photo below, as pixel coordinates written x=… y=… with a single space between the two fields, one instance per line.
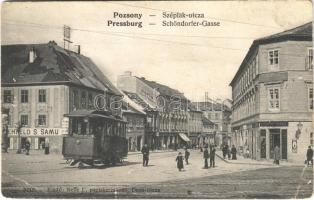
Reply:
x=40 y=84
x=272 y=95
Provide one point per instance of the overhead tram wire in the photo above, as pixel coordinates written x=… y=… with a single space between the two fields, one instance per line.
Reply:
x=125 y=35
x=138 y=37
x=152 y=34
x=227 y=20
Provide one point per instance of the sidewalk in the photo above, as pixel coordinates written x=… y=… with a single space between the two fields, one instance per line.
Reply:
x=250 y=161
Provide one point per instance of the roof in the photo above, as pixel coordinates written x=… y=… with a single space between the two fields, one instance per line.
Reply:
x=300 y=33
x=52 y=64
x=206 y=121
x=162 y=89
x=129 y=106
x=138 y=100
x=92 y=114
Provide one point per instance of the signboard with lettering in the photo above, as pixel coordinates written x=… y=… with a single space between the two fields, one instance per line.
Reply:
x=38 y=132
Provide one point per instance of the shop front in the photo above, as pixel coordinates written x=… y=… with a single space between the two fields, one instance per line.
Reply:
x=39 y=138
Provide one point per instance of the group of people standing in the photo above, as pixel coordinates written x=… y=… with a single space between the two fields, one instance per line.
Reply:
x=226 y=152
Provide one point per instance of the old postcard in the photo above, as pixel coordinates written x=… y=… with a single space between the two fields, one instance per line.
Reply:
x=157 y=99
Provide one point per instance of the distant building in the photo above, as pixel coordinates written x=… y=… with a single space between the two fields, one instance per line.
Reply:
x=167 y=112
x=219 y=114
x=43 y=82
x=136 y=120
x=195 y=125
x=272 y=94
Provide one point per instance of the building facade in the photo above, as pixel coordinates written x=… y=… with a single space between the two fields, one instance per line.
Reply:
x=219 y=115
x=136 y=119
x=166 y=110
x=273 y=96
x=43 y=82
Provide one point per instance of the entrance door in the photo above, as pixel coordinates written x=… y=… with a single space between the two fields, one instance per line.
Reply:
x=274 y=140
x=139 y=138
x=284 y=144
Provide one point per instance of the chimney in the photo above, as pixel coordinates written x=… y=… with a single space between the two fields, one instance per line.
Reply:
x=32 y=55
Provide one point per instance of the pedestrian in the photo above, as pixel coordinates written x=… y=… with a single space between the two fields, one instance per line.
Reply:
x=309 y=156
x=276 y=155
x=186 y=155
x=228 y=152
x=179 y=160
x=206 y=156
x=212 y=156
x=27 y=146
x=234 y=153
x=224 y=151
x=47 y=147
x=145 y=152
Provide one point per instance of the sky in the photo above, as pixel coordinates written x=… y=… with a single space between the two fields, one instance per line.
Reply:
x=193 y=60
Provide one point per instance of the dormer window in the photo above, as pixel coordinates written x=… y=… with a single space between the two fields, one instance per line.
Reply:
x=32 y=55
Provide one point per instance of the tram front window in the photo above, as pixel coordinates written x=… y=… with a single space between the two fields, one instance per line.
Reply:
x=79 y=127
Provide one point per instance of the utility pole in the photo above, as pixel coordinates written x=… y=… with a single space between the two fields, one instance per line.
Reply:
x=19 y=127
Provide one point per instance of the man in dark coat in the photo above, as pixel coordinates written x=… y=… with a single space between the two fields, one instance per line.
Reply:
x=145 y=152
x=234 y=153
x=309 y=156
x=212 y=156
x=27 y=146
x=224 y=151
x=206 y=156
x=186 y=155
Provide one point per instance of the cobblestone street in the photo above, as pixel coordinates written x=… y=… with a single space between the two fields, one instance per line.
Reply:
x=38 y=175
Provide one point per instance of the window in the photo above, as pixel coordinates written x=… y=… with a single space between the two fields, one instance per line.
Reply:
x=310 y=58
x=42 y=120
x=75 y=99
x=24 y=96
x=311 y=98
x=273 y=59
x=83 y=99
x=42 y=96
x=90 y=101
x=273 y=99
x=7 y=96
x=24 y=120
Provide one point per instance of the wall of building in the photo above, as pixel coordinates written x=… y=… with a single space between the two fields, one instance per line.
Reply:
x=54 y=108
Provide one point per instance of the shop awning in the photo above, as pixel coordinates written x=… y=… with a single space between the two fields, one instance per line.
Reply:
x=184 y=137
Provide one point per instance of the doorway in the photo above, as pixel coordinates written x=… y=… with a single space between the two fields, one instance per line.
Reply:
x=274 y=141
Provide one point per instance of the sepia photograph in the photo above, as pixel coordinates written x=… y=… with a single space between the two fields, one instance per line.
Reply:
x=157 y=99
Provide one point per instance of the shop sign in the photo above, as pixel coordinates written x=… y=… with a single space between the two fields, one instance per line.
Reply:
x=37 y=131
x=294 y=146
x=274 y=123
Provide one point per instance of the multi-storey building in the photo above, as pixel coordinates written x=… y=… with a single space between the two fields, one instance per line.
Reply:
x=43 y=82
x=166 y=109
x=219 y=115
x=136 y=119
x=272 y=95
x=195 y=125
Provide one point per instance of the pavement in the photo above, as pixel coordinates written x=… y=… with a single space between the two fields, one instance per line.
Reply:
x=38 y=174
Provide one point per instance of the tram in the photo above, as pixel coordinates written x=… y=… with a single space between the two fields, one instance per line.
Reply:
x=95 y=138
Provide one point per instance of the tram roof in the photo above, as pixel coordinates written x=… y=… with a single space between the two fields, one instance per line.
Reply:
x=93 y=114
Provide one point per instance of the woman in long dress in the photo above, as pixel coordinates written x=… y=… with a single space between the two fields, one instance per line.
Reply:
x=179 y=160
